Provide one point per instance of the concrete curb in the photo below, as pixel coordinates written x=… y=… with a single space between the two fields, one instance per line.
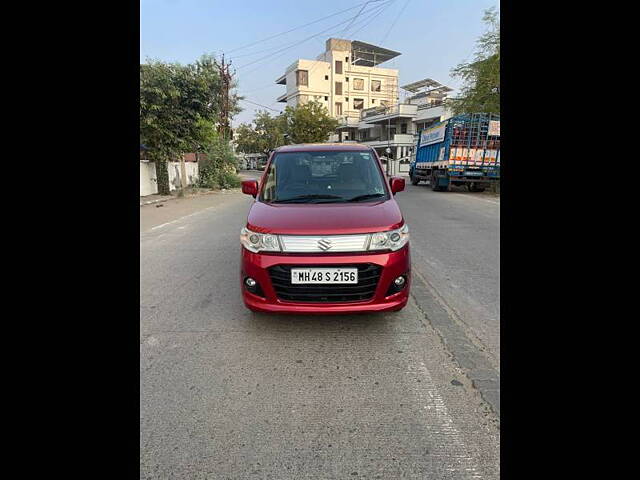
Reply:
x=150 y=202
x=175 y=197
x=480 y=372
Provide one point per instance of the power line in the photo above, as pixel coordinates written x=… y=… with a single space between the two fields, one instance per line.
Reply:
x=394 y=22
x=363 y=22
x=296 y=28
x=357 y=15
x=382 y=8
x=260 y=105
x=377 y=9
x=298 y=42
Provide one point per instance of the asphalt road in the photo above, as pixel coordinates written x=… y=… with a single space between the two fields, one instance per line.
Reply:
x=229 y=394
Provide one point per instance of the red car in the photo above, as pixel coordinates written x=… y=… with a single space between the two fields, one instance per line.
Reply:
x=325 y=234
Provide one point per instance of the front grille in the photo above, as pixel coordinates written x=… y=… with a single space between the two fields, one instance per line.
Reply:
x=368 y=276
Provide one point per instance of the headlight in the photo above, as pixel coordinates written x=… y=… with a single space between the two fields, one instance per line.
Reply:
x=391 y=240
x=259 y=242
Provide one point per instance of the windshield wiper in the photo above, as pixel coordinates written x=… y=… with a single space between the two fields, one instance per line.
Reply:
x=307 y=197
x=366 y=197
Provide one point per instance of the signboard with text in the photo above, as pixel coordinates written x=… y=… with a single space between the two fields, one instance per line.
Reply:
x=432 y=135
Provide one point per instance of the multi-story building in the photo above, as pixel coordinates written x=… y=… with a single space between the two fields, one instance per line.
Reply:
x=396 y=126
x=345 y=79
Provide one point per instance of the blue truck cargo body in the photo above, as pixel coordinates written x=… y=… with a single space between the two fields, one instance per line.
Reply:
x=462 y=150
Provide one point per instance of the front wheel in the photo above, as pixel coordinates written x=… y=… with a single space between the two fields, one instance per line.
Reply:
x=434 y=183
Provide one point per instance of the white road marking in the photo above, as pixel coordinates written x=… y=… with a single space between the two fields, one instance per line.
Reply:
x=428 y=394
x=477 y=198
x=182 y=218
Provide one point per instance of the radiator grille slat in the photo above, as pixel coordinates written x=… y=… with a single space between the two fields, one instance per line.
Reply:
x=368 y=276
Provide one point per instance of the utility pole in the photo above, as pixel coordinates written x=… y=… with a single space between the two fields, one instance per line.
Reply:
x=225 y=77
x=388 y=140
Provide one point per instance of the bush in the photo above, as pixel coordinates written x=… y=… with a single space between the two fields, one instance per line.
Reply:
x=228 y=180
x=212 y=177
x=220 y=169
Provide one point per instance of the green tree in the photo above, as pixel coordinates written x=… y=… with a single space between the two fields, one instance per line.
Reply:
x=308 y=123
x=245 y=139
x=219 y=170
x=265 y=133
x=179 y=107
x=481 y=77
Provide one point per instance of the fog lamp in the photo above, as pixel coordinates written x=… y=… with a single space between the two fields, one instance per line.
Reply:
x=399 y=281
x=250 y=282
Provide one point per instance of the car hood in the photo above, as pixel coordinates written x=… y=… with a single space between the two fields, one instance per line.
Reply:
x=324 y=218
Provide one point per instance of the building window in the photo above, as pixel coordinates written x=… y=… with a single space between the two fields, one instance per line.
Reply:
x=346 y=79
x=338 y=108
x=403 y=128
x=376 y=85
x=358 y=103
x=302 y=78
x=326 y=99
x=338 y=88
x=346 y=59
x=346 y=99
x=326 y=77
x=373 y=100
x=358 y=83
x=338 y=66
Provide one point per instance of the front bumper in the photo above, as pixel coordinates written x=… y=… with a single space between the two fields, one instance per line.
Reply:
x=393 y=264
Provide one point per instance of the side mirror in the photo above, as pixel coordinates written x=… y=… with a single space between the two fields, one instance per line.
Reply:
x=397 y=184
x=250 y=187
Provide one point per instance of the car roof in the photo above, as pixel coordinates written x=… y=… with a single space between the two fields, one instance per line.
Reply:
x=315 y=147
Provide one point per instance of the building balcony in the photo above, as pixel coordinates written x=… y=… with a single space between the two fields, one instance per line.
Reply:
x=282 y=98
x=350 y=120
x=282 y=79
x=383 y=114
x=397 y=140
x=428 y=112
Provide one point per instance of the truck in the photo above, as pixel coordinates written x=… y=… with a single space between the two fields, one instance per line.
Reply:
x=462 y=150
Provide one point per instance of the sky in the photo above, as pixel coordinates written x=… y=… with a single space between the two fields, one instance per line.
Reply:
x=432 y=36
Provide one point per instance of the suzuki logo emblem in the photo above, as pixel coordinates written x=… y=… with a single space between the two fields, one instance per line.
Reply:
x=324 y=244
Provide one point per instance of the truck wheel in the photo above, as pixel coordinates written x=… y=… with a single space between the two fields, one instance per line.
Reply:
x=473 y=187
x=434 y=181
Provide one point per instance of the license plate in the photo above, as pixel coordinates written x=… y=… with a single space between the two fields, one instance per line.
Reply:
x=324 y=275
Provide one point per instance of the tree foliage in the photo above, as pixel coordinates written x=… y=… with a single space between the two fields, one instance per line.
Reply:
x=306 y=123
x=481 y=77
x=219 y=170
x=266 y=133
x=179 y=109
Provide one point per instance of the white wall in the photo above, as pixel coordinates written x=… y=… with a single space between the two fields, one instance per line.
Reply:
x=174 y=174
x=148 y=177
x=148 y=181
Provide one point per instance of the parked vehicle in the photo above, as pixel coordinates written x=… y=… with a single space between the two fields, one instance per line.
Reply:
x=325 y=234
x=463 y=150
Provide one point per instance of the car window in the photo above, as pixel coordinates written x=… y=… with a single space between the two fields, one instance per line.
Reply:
x=324 y=177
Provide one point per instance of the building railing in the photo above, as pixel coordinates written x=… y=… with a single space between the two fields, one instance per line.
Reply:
x=397 y=109
x=437 y=103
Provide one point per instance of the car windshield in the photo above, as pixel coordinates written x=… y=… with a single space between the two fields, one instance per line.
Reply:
x=324 y=177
